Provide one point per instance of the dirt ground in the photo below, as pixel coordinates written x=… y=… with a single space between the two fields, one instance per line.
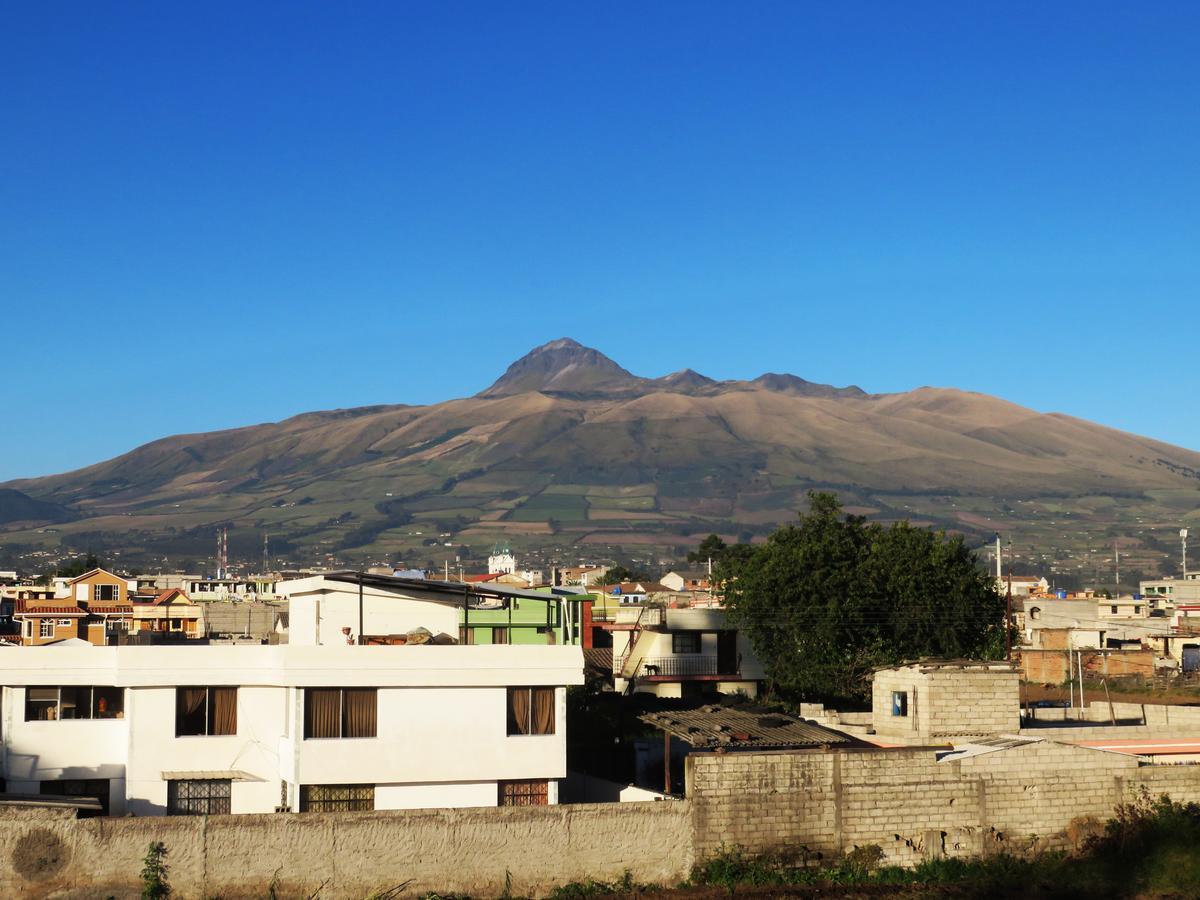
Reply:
x=1093 y=691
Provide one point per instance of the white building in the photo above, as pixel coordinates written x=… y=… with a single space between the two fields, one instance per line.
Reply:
x=323 y=610
x=502 y=562
x=680 y=652
x=183 y=729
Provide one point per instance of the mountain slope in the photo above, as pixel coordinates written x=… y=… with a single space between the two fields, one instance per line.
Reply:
x=567 y=447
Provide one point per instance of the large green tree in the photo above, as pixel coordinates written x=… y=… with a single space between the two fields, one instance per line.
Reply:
x=828 y=599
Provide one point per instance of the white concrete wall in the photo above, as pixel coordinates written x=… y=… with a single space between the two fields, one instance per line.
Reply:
x=428 y=796
x=318 y=610
x=63 y=748
x=431 y=734
x=154 y=749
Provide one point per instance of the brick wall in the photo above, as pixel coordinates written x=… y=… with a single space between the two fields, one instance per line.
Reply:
x=1054 y=666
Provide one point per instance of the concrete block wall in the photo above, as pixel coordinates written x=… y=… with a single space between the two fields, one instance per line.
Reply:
x=1020 y=800
x=946 y=702
x=973 y=701
x=823 y=804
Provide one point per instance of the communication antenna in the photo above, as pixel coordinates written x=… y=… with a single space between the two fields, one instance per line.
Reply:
x=266 y=553
x=222 y=552
x=1183 y=540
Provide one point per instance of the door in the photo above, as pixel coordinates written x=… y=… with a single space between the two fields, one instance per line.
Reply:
x=1191 y=657
x=727 y=653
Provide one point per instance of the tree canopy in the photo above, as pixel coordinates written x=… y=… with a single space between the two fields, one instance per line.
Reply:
x=619 y=573
x=828 y=599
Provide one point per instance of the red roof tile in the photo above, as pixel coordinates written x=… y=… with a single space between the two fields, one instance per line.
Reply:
x=37 y=608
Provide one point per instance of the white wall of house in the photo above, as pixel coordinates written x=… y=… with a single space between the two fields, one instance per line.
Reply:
x=318 y=610
x=154 y=749
x=34 y=752
x=441 y=721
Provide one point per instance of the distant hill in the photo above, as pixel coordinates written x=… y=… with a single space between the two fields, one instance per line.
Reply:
x=569 y=449
x=19 y=508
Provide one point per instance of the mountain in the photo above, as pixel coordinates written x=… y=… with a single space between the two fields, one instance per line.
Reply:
x=18 y=508
x=568 y=449
x=564 y=367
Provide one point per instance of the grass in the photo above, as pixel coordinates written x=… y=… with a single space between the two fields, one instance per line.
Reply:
x=1151 y=848
x=542 y=507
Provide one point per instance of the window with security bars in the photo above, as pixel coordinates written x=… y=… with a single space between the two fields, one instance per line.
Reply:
x=525 y=793
x=199 y=797
x=337 y=797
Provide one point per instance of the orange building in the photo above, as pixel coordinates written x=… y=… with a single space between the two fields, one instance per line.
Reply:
x=171 y=611
x=90 y=607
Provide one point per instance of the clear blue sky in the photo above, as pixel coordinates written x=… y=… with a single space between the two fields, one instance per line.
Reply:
x=219 y=215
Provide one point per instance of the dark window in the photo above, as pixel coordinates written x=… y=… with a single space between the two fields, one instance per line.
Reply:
x=899 y=703
x=337 y=797
x=531 y=710
x=199 y=797
x=1114 y=610
x=687 y=642
x=80 y=787
x=205 y=711
x=524 y=793
x=105 y=592
x=340 y=712
x=74 y=702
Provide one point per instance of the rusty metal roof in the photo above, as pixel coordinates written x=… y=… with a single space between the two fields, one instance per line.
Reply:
x=741 y=728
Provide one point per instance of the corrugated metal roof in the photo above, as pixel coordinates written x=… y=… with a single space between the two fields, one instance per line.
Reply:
x=453 y=591
x=739 y=728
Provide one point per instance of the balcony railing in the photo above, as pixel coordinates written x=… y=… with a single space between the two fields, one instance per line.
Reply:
x=684 y=666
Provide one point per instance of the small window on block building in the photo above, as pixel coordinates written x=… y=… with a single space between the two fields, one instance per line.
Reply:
x=899 y=703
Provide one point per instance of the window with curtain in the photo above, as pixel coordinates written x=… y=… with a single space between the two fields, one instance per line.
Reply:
x=337 y=797
x=524 y=793
x=205 y=711
x=340 y=712
x=531 y=710
x=199 y=797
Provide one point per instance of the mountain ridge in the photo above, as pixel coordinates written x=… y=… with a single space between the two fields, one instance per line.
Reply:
x=567 y=446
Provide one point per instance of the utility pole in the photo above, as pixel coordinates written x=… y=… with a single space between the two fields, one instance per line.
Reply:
x=1008 y=606
x=1183 y=539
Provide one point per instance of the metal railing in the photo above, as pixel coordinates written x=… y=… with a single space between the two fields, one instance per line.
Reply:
x=683 y=666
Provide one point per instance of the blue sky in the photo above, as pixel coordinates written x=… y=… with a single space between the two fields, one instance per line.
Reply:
x=214 y=215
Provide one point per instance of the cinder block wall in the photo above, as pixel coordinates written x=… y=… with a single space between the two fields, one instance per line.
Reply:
x=946 y=702
x=973 y=701
x=825 y=803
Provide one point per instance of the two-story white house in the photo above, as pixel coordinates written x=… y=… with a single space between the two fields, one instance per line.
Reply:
x=312 y=725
